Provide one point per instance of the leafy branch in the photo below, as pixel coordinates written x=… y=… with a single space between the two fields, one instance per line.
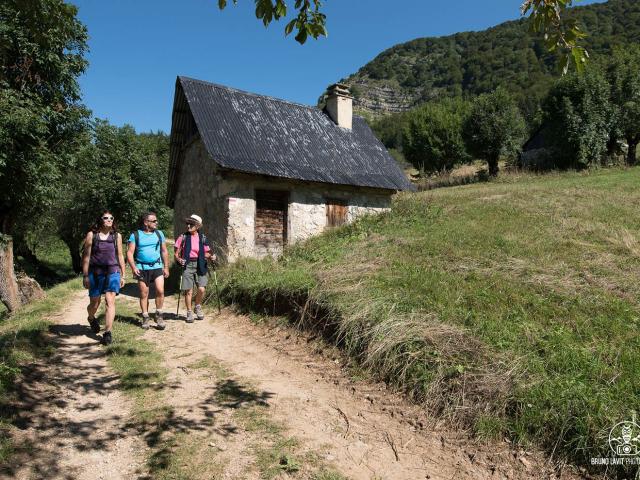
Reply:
x=561 y=34
x=309 y=21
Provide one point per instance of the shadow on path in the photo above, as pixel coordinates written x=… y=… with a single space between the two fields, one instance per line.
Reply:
x=70 y=403
x=226 y=394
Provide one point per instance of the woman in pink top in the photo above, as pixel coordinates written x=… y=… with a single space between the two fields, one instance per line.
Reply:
x=192 y=251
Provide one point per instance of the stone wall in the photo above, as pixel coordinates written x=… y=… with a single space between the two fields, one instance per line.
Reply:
x=226 y=203
x=306 y=213
x=198 y=192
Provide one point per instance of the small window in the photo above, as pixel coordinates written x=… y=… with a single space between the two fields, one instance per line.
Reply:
x=336 y=212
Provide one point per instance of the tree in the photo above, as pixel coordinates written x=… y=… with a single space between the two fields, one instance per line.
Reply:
x=579 y=119
x=432 y=141
x=494 y=128
x=119 y=170
x=42 y=46
x=624 y=77
x=388 y=129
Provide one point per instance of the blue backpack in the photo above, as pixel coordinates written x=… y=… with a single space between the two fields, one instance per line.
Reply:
x=136 y=237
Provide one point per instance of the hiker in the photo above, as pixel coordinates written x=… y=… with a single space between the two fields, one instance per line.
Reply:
x=192 y=251
x=103 y=271
x=148 y=258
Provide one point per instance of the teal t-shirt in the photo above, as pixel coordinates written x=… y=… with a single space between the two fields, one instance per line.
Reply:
x=148 y=250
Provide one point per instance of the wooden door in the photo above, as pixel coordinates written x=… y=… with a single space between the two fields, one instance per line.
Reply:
x=336 y=212
x=271 y=221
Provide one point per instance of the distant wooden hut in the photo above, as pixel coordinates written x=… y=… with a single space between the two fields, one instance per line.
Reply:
x=535 y=153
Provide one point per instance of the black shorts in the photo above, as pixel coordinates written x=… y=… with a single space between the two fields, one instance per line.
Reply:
x=149 y=276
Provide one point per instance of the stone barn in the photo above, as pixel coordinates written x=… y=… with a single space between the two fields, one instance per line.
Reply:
x=265 y=173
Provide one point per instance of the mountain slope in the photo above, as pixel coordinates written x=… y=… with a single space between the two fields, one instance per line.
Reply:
x=412 y=73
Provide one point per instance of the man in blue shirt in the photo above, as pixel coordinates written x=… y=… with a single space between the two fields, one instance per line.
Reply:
x=149 y=261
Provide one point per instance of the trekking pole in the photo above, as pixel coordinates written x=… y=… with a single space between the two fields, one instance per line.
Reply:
x=179 y=294
x=215 y=282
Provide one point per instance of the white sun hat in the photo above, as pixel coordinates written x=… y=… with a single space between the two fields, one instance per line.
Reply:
x=194 y=219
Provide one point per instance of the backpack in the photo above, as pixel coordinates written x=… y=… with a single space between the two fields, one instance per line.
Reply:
x=184 y=237
x=95 y=247
x=136 y=237
x=114 y=239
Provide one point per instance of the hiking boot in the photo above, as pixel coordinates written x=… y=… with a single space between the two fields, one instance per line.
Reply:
x=189 y=316
x=106 y=338
x=95 y=325
x=199 y=313
x=160 y=321
x=145 y=321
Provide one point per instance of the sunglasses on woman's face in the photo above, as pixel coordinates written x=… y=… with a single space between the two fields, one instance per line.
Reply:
x=189 y=225
x=106 y=219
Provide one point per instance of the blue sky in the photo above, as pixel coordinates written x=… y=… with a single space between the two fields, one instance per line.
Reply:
x=138 y=47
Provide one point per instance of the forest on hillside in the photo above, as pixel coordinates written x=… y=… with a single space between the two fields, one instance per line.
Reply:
x=452 y=115
x=471 y=63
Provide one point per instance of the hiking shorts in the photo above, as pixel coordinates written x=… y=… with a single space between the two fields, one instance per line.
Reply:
x=99 y=284
x=149 y=276
x=190 y=277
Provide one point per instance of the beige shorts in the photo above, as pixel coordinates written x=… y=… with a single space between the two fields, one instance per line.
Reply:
x=190 y=277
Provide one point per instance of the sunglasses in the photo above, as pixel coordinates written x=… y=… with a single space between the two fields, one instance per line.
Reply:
x=153 y=221
x=189 y=225
x=107 y=218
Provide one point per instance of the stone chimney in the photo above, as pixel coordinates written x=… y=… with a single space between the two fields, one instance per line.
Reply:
x=340 y=105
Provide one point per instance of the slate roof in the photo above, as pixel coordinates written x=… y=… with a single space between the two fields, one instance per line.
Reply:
x=258 y=134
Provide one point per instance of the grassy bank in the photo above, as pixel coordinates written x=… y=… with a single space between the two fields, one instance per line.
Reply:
x=510 y=307
x=22 y=341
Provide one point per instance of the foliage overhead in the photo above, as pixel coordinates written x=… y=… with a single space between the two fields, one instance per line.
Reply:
x=494 y=128
x=560 y=34
x=42 y=46
x=309 y=21
x=547 y=16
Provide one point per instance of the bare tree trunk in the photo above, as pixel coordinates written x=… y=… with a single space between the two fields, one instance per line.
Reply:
x=9 y=292
x=631 y=153
x=493 y=167
x=74 y=252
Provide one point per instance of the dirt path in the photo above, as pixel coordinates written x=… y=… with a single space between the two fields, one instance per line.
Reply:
x=356 y=428
x=72 y=417
x=237 y=393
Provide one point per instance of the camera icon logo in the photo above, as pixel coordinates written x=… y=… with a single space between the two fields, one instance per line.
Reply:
x=624 y=439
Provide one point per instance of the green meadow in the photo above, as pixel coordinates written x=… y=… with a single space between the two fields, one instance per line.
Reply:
x=509 y=308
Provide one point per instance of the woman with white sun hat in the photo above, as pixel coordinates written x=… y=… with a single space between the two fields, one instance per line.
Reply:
x=192 y=251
